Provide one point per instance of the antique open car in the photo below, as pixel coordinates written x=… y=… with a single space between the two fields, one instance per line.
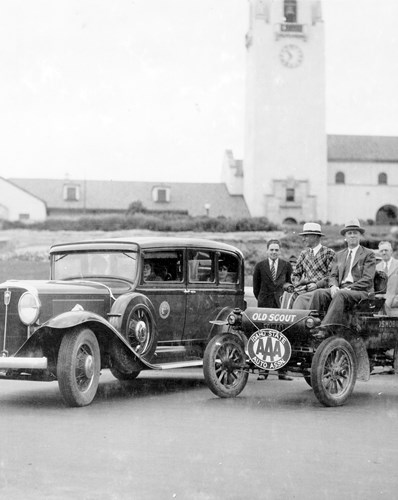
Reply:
x=273 y=339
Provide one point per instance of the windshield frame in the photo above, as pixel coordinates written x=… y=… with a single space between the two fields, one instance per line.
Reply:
x=116 y=264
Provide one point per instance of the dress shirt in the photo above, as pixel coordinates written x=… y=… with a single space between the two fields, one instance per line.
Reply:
x=353 y=253
x=270 y=261
x=316 y=249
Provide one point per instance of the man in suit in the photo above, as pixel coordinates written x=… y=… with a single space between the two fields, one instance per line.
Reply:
x=270 y=275
x=388 y=264
x=313 y=264
x=351 y=278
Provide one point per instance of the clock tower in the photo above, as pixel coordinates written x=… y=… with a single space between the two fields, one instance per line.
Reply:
x=285 y=163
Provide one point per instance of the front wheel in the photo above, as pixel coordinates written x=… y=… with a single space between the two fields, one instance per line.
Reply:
x=333 y=371
x=78 y=367
x=224 y=363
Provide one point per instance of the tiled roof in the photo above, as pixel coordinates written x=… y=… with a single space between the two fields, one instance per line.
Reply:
x=362 y=148
x=117 y=195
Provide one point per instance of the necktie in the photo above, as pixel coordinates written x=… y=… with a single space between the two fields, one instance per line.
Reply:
x=347 y=266
x=385 y=267
x=273 y=271
x=311 y=253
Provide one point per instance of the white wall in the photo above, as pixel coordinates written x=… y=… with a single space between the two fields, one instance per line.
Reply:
x=17 y=201
x=361 y=196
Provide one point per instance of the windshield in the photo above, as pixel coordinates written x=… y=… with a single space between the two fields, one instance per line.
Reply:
x=94 y=264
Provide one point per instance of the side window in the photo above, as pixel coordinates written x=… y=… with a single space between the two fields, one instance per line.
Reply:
x=382 y=179
x=201 y=266
x=340 y=178
x=228 y=268
x=163 y=266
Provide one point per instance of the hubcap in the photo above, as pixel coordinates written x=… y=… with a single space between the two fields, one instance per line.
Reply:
x=141 y=331
x=89 y=366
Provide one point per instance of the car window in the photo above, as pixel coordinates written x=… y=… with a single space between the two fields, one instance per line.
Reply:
x=163 y=266
x=95 y=264
x=201 y=266
x=227 y=268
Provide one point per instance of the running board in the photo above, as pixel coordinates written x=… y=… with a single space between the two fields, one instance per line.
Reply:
x=178 y=364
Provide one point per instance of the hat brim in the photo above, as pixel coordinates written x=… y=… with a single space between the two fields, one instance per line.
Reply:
x=316 y=233
x=352 y=228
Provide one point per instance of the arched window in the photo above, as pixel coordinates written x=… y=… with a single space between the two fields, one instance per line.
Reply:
x=290 y=11
x=382 y=178
x=340 y=178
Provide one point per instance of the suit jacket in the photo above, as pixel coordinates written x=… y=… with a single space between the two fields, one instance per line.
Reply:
x=393 y=269
x=315 y=269
x=363 y=269
x=267 y=292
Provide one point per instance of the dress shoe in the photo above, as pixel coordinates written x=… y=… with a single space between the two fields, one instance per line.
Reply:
x=263 y=375
x=282 y=376
x=320 y=332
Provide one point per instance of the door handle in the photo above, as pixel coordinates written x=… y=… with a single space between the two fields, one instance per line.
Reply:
x=189 y=292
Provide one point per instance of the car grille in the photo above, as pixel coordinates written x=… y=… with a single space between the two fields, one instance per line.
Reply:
x=16 y=330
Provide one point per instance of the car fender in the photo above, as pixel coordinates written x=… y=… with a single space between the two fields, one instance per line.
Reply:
x=105 y=331
x=69 y=319
x=219 y=324
x=363 y=371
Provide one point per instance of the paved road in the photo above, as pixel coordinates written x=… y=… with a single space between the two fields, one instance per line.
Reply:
x=166 y=436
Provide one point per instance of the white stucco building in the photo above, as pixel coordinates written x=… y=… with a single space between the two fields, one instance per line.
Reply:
x=293 y=171
x=17 y=204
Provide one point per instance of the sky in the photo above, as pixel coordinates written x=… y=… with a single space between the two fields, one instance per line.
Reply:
x=154 y=90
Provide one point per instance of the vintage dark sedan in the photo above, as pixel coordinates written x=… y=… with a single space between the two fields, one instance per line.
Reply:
x=124 y=304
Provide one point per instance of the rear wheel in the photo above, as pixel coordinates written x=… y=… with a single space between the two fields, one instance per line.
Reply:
x=224 y=366
x=124 y=376
x=334 y=371
x=78 y=367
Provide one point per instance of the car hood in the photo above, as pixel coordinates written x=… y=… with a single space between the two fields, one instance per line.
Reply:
x=57 y=297
x=58 y=287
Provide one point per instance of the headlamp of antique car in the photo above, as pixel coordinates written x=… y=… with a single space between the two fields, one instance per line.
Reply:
x=231 y=319
x=312 y=322
x=29 y=308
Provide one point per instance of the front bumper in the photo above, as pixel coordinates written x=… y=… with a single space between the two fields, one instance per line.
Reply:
x=17 y=363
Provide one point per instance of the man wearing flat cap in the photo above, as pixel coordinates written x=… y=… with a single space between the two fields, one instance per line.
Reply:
x=351 y=277
x=313 y=264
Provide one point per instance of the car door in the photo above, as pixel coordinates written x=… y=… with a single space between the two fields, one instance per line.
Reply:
x=206 y=294
x=163 y=283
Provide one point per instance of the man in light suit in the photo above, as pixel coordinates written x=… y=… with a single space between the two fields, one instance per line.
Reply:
x=270 y=275
x=351 y=278
x=388 y=264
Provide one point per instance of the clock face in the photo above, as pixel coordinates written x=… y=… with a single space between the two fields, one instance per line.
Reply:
x=291 y=56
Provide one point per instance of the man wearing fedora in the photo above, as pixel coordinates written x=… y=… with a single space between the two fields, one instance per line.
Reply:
x=351 y=277
x=313 y=264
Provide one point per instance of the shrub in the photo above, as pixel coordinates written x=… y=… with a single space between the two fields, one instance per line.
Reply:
x=135 y=219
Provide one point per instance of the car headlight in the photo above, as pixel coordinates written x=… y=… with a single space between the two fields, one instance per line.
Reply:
x=231 y=319
x=29 y=308
x=310 y=322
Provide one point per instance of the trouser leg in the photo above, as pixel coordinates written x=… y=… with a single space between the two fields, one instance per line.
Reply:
x=320 y=299
x=342 y=301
